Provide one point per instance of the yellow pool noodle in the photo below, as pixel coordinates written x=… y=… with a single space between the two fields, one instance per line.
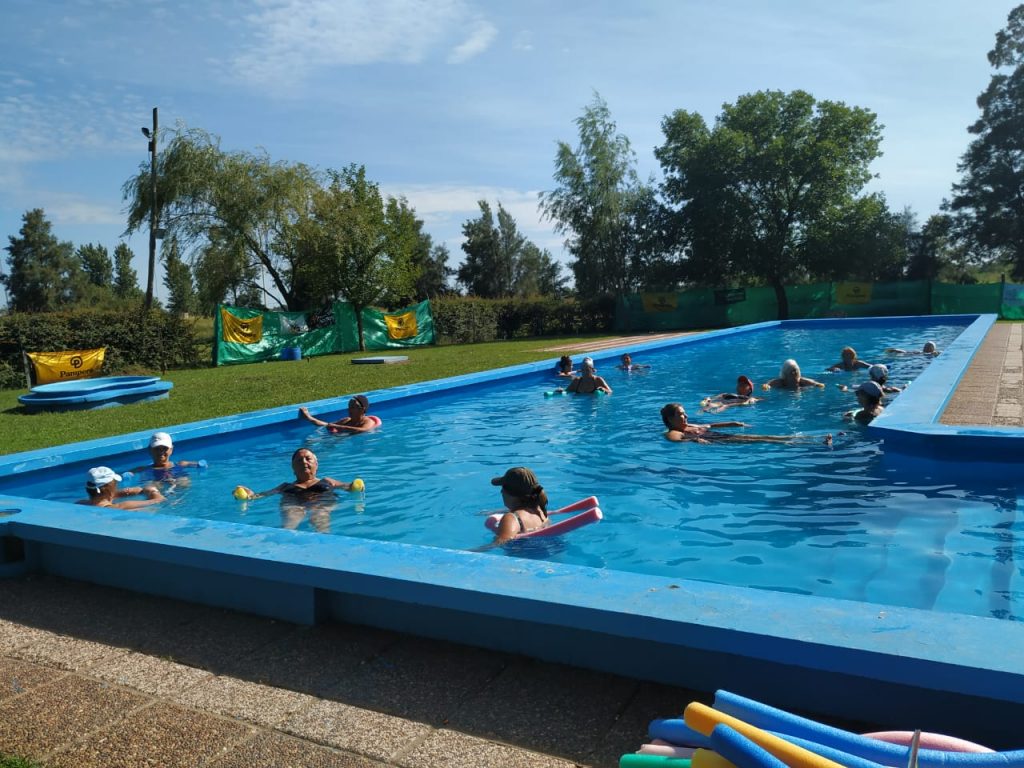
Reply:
x=705 y=758
x=703 y=719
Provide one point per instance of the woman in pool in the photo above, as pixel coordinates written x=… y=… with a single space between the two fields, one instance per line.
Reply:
x=848 y=361
x=564 y=366
x=869 y=396
x=164 y=469
x=102 y=491
x=880 y=375
x=681 y=430
x=526 y=501
x=744 y=395
x=791 y=378
x=356 y=421
x=587 y=383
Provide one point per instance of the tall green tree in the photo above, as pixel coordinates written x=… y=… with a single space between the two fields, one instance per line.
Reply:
x=478 y=273
x=43 y=273
x=749 y=190
x=537 y=273
x=434 y=273
x=96 y=263
x=181 y=289
x=862 y=240
x=242 y=200
x=126 y=279
x=989 y=198
x=596 y=203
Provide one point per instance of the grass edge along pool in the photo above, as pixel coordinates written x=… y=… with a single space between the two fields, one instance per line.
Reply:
x=953 y=672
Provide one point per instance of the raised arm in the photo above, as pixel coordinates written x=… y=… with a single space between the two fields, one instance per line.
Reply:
x=305 y=414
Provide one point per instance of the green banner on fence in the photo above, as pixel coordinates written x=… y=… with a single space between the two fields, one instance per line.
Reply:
x=409 y=327
x=244 y=335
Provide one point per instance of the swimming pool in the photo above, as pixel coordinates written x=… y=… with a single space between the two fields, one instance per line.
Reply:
x=611 y=617
x=804 y=518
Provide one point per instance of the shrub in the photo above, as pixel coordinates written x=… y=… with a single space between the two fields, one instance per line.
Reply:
x=155 y=341
x=468 y=320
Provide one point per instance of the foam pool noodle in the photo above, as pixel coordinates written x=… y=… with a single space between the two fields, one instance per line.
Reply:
x=881 y=752
x=741 y=751
x=653 y=761
x=703 y=719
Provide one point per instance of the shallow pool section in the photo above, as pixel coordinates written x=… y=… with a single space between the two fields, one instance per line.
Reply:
x=793 y=650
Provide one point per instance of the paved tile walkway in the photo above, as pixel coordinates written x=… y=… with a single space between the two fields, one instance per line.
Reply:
x=91 y=676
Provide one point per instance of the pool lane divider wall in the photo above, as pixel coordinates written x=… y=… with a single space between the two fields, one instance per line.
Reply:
x=954 y=673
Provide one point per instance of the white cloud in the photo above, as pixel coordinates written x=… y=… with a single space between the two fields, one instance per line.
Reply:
x=480 y=38
x=291 y=39
x=65 y=209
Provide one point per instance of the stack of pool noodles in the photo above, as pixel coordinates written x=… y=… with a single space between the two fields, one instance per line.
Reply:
x=744 y=733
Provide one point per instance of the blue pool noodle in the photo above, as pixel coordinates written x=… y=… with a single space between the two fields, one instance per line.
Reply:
x=674 y=730
x=741 y=751
x=786 y=724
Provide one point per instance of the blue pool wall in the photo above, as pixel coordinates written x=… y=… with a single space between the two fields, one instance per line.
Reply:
x=950 y=672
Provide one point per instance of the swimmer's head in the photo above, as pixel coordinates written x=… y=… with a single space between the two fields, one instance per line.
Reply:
x=871 y=392
x=358 y=405
x=789 y=370
x=101 y=481
x=744 y=386
x=627 y=359
x=879 y=373
x=929 y=348
x=849 y=354
x=588 y=362
x=672 y=411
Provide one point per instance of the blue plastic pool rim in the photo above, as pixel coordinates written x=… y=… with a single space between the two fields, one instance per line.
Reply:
x=914 y=649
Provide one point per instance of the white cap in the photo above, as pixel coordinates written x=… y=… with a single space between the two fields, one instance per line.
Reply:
x=100 y=476
x=161 y=439
x=588 y=361
x=878 y=372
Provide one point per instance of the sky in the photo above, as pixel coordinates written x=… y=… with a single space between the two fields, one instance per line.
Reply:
x=447 y=102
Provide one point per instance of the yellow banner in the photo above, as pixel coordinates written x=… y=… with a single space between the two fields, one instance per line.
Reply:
x=401 y=326
x=242 y=331
x=853 y=293
x=660 y=302
x=52 y=367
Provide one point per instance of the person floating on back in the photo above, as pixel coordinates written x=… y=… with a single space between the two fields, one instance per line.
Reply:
x=744 y=395
x=869 y=396
x=928 y=349
x=791 y=378
x=679 y=430
x=357 y=420
x=848 y=361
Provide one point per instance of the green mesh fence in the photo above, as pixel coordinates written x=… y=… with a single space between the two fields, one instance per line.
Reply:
x=719 y=308
x=250 y=335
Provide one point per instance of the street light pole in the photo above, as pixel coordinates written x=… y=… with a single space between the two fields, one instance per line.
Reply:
x=152 y=211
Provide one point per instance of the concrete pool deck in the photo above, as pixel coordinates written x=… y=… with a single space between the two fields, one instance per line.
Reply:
x=94 y=676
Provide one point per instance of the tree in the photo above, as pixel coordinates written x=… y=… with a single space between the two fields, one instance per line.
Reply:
x=242 y=201
x=126 y=279
x=597 y=204
x=352 y=244
x=434 y=274
x=478 y=274
x=181 y=290
x=44 y=273
x=749 y=190
x=537 y=273
x=96 y=263
x=862 y=240
x=989 y=199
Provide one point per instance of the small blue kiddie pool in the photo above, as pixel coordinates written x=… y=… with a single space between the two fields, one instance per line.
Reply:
x=89 y=394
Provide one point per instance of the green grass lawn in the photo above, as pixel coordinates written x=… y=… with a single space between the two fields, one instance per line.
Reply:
x=206 y=393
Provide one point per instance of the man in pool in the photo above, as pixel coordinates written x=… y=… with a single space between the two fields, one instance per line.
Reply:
x=680 y=430
x=628 y=365
x=356 y=421
x=848 y=361
x=102 y=491
x=869 y=396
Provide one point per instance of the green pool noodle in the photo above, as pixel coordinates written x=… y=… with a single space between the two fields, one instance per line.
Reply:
x=653 y=761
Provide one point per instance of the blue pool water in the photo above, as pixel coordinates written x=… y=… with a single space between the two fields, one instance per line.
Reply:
x=845 y=522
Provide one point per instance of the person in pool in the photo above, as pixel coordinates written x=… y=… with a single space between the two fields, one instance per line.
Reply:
x=627 y=364
x=564 y=366
x=356 y=421
x=680 y=430
x=791 y=378
x=869 y=396
x=588 y=383
x=880 y=375
x=307 y=484
x=526 y=502
x=163 y=468
x=929 y=349
x=744 y=395
x=848 y=361
x=102 y=491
